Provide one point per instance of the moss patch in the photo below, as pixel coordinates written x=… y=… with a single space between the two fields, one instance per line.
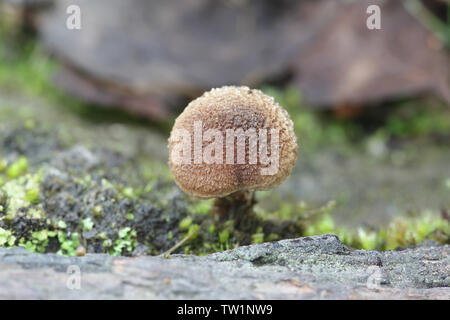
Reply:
x=401 y=232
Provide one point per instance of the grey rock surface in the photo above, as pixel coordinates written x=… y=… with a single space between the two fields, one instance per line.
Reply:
x=318 y=267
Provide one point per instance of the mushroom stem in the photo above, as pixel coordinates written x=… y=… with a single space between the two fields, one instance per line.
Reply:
x=235 y=206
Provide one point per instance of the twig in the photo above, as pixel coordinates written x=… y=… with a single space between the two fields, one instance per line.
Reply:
x=180 y=243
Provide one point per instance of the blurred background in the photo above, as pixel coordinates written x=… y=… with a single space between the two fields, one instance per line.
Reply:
x=370 y=107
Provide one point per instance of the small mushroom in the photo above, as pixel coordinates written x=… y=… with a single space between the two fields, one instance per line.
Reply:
x=229 y=140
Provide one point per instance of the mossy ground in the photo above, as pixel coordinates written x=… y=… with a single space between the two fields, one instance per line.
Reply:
x=76 y=179
x=62 y=199
x=68 y=183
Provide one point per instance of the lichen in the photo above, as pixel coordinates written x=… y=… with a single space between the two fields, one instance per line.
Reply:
x=17 y=168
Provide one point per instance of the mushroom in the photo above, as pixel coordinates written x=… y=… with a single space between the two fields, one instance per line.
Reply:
x=232 y=141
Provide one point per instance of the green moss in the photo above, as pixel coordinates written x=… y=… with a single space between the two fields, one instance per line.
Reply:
x=201 y=206
x=129 y=192
x=35 y=213
x=126 y=241
x=6 y=238
x=212 y=228
x=88 y=224
x=62 y=224
x=401 y=232
x=273 y=237
x=21 y=192
x=97 y=211
x=40 y=240
x=102 y=236
x=258 y=238
x=193 y=230
x=123 y=232
x=368 y=239
x=324 y=225
x=69 y=244
x=414 y=119
x=32 y=194
x=185 y=223
x=28 y=69
x=17 y=168
x=224 y=236
x=411 y=231
x=107 y=243
x=447 y=183
x=3 y=165
x=29 y=124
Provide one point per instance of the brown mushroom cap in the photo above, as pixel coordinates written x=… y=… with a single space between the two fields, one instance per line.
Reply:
x=233 y=108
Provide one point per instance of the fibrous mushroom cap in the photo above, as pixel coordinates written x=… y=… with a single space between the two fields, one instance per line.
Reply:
x=234 y=108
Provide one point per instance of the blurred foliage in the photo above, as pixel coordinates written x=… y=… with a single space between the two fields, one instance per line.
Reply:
x=404 y=231
x=408 y=118
x=23 y=65
x=313 y=128
x=412 y=119
x=26 y=68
